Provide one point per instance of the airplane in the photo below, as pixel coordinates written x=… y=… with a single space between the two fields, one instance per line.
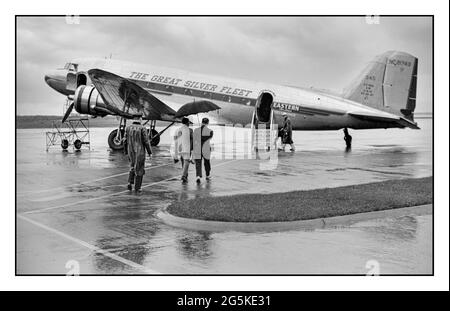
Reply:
x=382 y=96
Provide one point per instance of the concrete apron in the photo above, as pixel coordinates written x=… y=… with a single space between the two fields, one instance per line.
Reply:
x=310 y=224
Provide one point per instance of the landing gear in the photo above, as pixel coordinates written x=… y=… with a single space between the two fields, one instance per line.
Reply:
x=153 y=134
x=348 y=139
x=154 y=137
x=115 y=139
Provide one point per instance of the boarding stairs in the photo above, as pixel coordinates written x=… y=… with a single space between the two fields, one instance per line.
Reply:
x=264 y=134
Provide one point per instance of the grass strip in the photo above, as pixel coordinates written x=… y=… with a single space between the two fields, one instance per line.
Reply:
x=309 y=204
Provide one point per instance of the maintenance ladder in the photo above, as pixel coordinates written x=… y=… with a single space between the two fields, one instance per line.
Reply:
x=74 y=132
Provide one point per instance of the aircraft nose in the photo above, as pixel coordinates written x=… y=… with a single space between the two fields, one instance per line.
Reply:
x=56 y=81
x=48 y=77
x=53 y=76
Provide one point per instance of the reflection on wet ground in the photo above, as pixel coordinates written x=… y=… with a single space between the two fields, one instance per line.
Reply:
x=71 y=205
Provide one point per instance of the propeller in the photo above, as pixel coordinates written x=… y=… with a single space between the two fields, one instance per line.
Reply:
x=69 y=110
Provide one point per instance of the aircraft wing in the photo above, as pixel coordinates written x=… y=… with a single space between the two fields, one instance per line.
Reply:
x=115 y=90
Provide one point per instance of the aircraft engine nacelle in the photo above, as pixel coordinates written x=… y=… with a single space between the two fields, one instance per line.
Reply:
x=87 y=100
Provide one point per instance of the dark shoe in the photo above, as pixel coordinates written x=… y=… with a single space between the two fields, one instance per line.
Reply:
x=138 y=184
x=198 y=180
x=130 y=187
x=131 y=177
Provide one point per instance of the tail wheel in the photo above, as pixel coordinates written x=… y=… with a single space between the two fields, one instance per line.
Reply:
x=64 y=144
x=114 y=142
x=155 y=138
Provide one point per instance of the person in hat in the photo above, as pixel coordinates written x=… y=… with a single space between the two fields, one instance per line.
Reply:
x=202 y=149
x=287 y=133
x=137 y=143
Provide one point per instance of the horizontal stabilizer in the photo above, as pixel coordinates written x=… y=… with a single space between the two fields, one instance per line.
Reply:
x=385 y=117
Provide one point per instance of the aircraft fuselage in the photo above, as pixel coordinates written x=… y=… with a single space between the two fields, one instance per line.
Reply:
x=307 y=109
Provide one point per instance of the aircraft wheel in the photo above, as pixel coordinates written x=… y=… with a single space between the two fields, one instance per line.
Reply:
x=64 y=144
x=156 y=137
x=77 y=144
x=113 y=143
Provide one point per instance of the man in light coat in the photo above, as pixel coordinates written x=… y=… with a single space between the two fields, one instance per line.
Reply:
x=202 y=149
x=183 y=147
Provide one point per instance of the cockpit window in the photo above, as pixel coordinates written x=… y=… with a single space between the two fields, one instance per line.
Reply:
x=71 y=66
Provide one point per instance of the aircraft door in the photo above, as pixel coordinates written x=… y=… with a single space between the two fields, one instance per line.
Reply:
x=263 y=107
x=71 y=84
x=263 y=129
x=75 y=79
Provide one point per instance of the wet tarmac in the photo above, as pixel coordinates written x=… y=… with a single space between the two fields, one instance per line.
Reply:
x=74 y=211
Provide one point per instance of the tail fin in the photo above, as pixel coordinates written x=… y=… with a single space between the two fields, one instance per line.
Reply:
x=388 y=83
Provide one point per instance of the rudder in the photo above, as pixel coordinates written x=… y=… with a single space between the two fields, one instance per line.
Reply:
x=388 y=83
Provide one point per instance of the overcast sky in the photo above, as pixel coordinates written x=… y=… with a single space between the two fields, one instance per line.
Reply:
x=305 y=51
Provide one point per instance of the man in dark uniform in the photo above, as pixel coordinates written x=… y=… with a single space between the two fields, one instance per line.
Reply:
x=137 y=142
x=287 y=137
